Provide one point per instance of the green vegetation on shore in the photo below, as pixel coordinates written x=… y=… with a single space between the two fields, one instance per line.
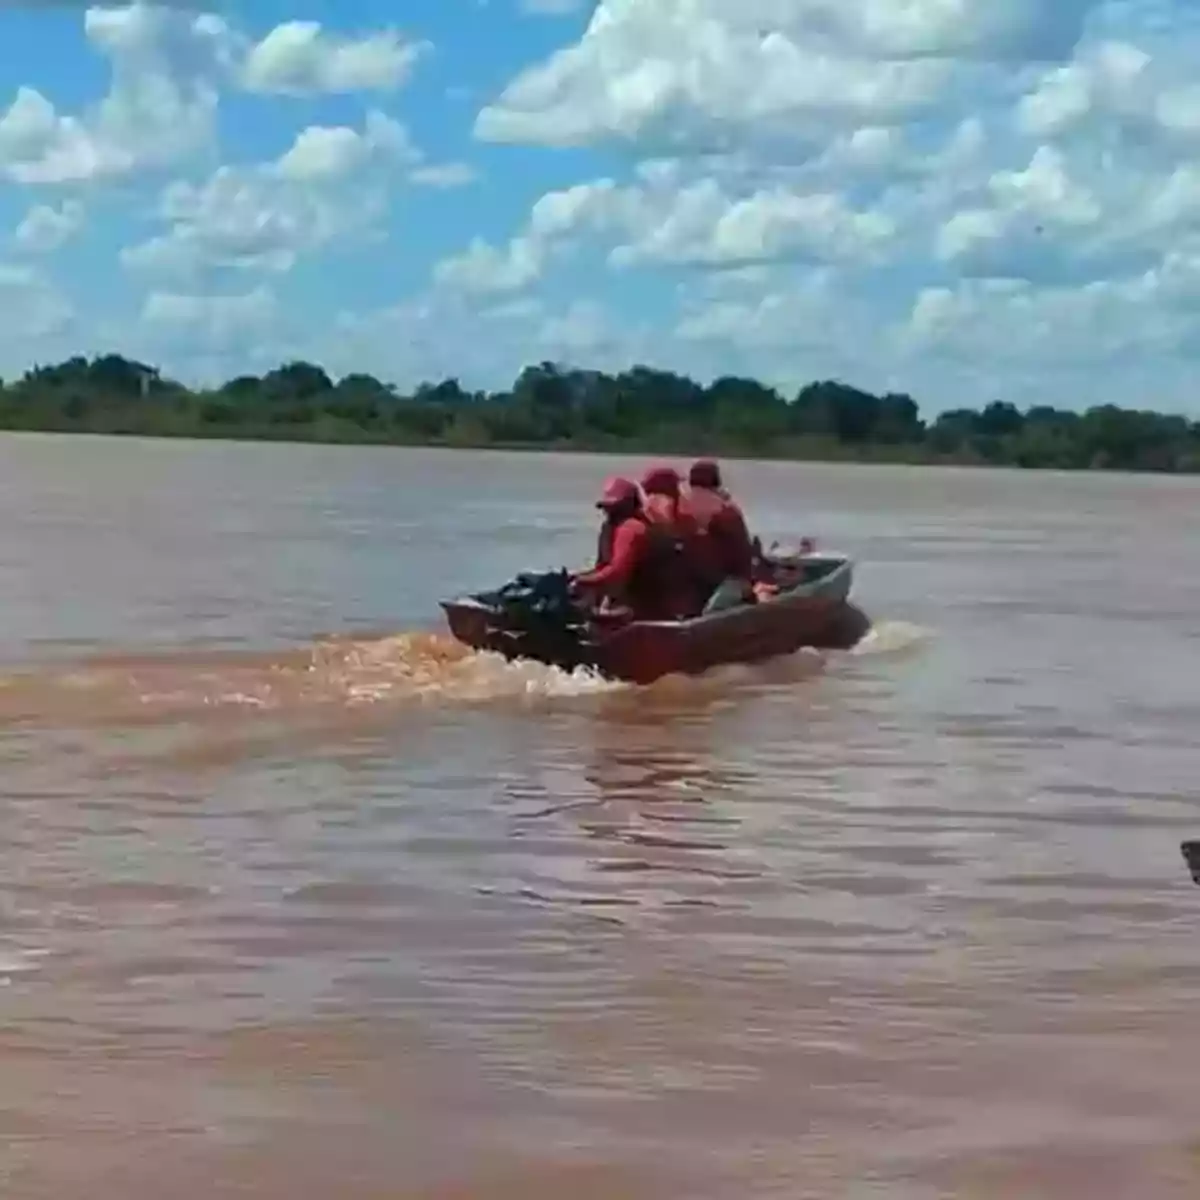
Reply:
x=553 y=407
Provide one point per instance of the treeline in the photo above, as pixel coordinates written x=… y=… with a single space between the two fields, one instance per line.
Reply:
x=549 y=406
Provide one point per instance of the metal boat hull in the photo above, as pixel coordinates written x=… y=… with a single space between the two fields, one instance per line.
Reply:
x=814 y=612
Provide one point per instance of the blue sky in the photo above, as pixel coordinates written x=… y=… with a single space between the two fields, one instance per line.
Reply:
x=957 y=198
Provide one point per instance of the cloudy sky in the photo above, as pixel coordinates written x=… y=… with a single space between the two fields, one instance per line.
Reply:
x=964 y=199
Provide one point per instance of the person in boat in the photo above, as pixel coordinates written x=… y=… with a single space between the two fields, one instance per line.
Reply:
x=727 y=549
x=667 y=512
x=638 y=557
x=662 y=498
x=619 y=499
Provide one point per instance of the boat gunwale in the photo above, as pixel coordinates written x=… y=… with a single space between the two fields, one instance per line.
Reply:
x=807 y=590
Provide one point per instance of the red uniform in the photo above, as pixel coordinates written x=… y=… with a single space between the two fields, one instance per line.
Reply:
x=621 y=549
x=725 y=547
x=732 y=542
x=619 y=501
x=685 y=577
x=638 y=570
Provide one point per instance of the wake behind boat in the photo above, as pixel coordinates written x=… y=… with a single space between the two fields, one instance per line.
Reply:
x=535 y=617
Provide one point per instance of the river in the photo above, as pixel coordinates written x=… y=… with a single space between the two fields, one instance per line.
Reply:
x=299 y=899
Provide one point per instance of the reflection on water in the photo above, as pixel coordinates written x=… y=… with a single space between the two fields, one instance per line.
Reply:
x=365 y=915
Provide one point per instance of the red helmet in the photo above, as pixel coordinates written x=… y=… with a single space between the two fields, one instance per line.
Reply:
x=617 y=491
x=661 y=481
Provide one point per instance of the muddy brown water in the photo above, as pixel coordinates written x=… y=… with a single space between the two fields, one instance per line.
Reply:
x=299 y=899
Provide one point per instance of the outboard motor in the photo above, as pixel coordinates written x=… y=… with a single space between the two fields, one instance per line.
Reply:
x=541 y=620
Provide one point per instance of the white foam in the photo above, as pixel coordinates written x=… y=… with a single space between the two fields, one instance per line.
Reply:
x=891 y=637
x=18 y=961
x=409 y=666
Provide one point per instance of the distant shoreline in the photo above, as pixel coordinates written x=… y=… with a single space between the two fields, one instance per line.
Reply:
x=555 y=409
x=847 y=459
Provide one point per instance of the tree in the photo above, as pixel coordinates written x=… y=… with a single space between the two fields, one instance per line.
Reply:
x=640 y=409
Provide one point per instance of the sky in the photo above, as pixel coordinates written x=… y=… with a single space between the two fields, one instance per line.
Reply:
x=966 y=200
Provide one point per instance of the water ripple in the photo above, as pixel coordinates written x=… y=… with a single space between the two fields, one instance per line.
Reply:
x=291 y=913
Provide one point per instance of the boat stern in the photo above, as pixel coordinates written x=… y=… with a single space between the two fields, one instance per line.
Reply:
x=477 y=624
x=470 y=622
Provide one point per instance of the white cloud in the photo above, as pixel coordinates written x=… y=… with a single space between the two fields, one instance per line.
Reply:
x=46 y=228
x=482 y=268
x=237 y=220
x=39 y=146
x=763 y=310
x=583 y=332
x=33 y=306
x=168 y=68
x=328 y=185
x=554 y=218
x=687 y=72
x=446 y=334
x=299 y=58
x=1109 y=77
x=669 y=219
x=1100 y=322
x=702 y=224
x=323 y=152
x=701 y=91
x=159 y=108
x=790 y=325
x=903 y=190
x=951 y=182
x=212 y=322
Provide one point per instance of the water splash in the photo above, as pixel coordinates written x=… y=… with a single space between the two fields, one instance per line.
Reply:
x=348 y=675
x=433 y=667
x=406 y=668
x=18 y=961
x=891 y=637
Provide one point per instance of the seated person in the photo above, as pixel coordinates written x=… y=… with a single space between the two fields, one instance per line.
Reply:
x=636 y=559
x=706 y=492
x=662 y=492
x=666 y=511
x=619 y=500
x=728 y=548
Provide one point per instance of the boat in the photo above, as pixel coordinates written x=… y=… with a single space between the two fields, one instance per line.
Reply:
x=535 y=618
x=1191 y=856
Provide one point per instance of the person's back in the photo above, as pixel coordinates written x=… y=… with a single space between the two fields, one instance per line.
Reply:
x=728 y=550
x=735 y=547
x=662 y=502
x=677 y=559
x=704 y=503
